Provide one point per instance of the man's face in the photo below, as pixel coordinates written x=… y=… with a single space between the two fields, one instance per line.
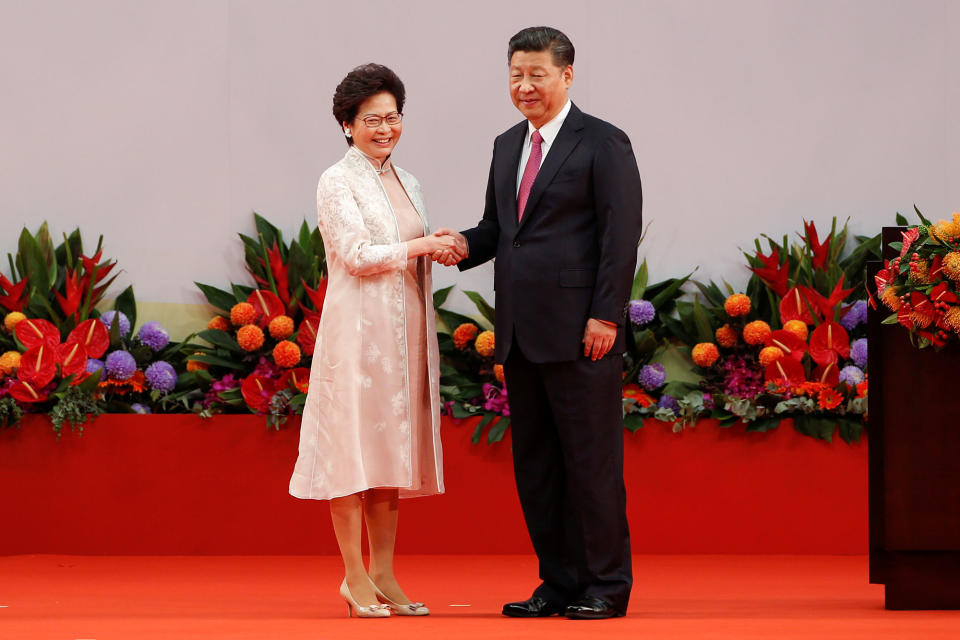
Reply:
x=538 y=87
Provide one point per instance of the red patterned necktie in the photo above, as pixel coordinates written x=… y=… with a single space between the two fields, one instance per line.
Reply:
x=529 y=172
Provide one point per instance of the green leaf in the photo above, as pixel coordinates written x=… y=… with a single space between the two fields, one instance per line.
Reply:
x=90 y=383
x=640 y=282
x=34 y=265
x=632 y=422
x=440 y=296
x=482 y=305
x=668 y=294
x=218 y=297
x=922 y=219
x=460 y=412
x=451 y=319
x=220 y=339
x=704 y=330
x=126 y=304
x=216 y=361
x=269 y=232
x=498 y=430
x=902 y=220
x=764 y=424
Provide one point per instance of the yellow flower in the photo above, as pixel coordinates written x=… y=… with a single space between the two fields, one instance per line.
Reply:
x=10 y=362
x=485 y=344
x=498 y=372
x=464 y=335
x=219 y=322
x=726 y=336
x=797 y=328
x=951 y=265
x=756 y=332
x=737 y=305
x=281 y=327
x=705 y=354
x=286 y=354
x=12 y=319
x=243 y=313
x=769 y=355
x=250 y=337
x=891 y=298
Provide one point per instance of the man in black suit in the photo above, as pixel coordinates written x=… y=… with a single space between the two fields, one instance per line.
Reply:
x=562 y=219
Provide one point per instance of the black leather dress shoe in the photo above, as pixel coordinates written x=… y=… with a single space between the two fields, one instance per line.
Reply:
x=535 y=607
x=591 y=608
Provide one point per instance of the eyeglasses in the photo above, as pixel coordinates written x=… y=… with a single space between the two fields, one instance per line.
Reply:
x=391 y=119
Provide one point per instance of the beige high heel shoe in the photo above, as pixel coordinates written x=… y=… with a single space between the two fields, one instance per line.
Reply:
x=373 y=611
x=412 y=609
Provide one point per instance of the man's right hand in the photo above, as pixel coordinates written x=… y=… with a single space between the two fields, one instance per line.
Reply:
x=451 y=256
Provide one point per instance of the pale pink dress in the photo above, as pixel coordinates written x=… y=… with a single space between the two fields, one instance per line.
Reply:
x=372 y=415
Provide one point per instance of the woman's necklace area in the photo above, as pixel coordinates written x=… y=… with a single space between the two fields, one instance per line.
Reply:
x=384 y=166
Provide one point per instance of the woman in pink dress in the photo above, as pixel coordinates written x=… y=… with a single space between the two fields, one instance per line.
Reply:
x=371 y=425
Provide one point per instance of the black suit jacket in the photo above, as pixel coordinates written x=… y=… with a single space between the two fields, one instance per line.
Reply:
x=573 y=254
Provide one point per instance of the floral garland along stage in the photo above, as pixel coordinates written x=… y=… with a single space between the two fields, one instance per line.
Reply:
x=791 y=345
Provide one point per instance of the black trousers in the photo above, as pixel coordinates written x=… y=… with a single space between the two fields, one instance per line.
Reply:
x=567 y=430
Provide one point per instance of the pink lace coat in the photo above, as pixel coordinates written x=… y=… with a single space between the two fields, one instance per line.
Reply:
x=356 y=428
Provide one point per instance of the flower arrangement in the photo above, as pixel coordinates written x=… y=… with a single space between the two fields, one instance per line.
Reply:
x=256 y=353
x=920 y=286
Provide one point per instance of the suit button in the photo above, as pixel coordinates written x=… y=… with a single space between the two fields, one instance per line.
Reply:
x=516 y=243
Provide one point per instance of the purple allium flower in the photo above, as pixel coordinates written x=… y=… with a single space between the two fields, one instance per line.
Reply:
x=495 y=399
x=858 y=352
x=120 y=365
x=94 y=365
x=142 y=409
x=851 y=375
x=668 y=402
x=740 y=380
x=154 y=335
x=107 y=319
x=641 y=312
x=856 y=315
x=652 y=376
x=161 y=376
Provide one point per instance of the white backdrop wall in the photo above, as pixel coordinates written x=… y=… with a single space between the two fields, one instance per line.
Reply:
x=162 y=125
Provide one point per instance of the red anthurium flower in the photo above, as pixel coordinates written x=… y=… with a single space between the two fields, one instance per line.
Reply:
x=72 y=357
x=257 y=392
x=903 y=317
x=298 y=379
x=787 y=342
x=828 y=374
x=909 y=237
x=785 y=371
x=821 y=251
x=317 y=295
x=825 y=306
x=38 y=365
x=93 y=335
x=27 y=392
x=71 y=302
x=13 y=300
x=883 y=278
x=773 y=273
x=936 y=267
x=34 y=331
x=941 y=294
x=268 y=304
x=280 y=272
x=920 y=303
x=794 y=306
x=827 y=342
x=307 y=334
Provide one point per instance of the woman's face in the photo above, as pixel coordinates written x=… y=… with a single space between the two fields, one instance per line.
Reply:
x=376 y=141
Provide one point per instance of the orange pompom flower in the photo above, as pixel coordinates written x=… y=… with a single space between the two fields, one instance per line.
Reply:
x=196 y=365
x=250 y=337
x=485 y=344
x=10 y=362
x=11 y=320
x=726 y=336
x=705 y=354
x=797 y=328
x=737 y=305
x=281 y=327
x=464 y=335
x=769 y=355
x=756 y=332
x=498 y=372
x=243 y=313
x=219 y=322
x=286 y=354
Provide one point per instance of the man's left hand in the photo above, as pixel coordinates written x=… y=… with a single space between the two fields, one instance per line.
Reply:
x=598 y=338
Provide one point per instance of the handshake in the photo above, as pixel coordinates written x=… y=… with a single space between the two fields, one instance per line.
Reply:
x=446 y=246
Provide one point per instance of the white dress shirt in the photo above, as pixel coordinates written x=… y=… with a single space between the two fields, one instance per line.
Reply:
x=549 y=132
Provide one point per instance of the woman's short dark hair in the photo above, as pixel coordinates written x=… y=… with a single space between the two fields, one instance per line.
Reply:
x=363 y=82
x=542 y=39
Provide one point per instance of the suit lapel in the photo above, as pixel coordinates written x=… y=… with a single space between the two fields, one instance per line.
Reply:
x=506 y=170
x=567 y=140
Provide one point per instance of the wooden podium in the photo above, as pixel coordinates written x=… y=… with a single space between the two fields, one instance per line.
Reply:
x=914 y=462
